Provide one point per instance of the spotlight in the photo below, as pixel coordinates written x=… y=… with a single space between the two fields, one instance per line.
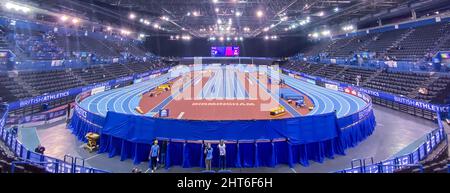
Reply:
x=132 y=16
x=64 y=18
x=326 y=32
x=108 y=28
x=75 y=20
x=238 y=14
x=259 y=13
x=221 y=39
x=266 y=37
x=315 y=35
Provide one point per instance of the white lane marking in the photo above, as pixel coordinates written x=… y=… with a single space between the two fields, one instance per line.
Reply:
x=345 y=97
x=250 y=81
x=90 y=100
x=265 y=90
x=329 y=104
x=135 y=99
x=293 y=170
x=180 y=115
x=94 y=156
x=176 y=93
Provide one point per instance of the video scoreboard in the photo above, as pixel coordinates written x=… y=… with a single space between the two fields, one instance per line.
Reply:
x=225 y=51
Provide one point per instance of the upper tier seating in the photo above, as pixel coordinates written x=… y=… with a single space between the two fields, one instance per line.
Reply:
x=400 y=44
x=383 y=41
x=419 y=42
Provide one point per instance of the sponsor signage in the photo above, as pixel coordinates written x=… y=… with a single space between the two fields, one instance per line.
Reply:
x=57 y=95
x=387 y=96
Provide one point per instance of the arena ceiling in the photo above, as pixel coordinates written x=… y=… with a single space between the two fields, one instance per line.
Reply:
x=231 y=18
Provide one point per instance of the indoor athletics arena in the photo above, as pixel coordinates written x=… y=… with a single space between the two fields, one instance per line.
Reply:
x=224 y=86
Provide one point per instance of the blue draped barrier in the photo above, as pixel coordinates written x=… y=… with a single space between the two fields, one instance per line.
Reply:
x=299 y=130
x=252 y=143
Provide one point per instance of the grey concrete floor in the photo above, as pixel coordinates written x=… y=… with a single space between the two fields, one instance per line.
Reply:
x=394 y=132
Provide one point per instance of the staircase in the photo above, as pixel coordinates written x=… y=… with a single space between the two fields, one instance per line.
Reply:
x=3 y=42
x=397 y=42
x=363 y=46
x=28 y=88
x=425 y=84
x=70 y=72
x=371 y=77
x=314 y=73
x=441 y=41
x=107 y=71
x=130 y=71
x=340 y=72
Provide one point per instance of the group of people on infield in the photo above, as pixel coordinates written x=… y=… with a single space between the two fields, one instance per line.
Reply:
x=156 y=153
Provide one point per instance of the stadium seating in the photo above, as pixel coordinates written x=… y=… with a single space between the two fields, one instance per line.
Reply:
x=50 y=81
x=330 y=71
x=401 y=44
x=350 y=74
x=401 y=83
x=419 y=42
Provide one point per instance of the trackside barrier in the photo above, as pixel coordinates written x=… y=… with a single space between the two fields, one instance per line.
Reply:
x=36 y=117
x=51 y=164
x=389 y=166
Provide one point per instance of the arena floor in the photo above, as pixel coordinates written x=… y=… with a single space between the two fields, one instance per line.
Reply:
x=218 y=94
x=382 y=144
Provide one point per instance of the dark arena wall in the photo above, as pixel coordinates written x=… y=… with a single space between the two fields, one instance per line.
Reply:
x=254 y=47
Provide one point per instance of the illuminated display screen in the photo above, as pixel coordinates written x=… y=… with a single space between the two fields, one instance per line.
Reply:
x=228 y=51
x=3 y=54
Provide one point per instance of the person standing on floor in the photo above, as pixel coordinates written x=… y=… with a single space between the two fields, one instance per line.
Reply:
x=154 y=155
x=209 y=155
x=222 y=155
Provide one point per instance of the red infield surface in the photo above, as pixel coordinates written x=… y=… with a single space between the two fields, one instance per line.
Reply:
x=187 y=104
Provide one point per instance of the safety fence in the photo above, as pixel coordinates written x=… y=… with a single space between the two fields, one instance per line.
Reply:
x=45 y=116
x=401 y=103
x=52 y=165
x=409 y=160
